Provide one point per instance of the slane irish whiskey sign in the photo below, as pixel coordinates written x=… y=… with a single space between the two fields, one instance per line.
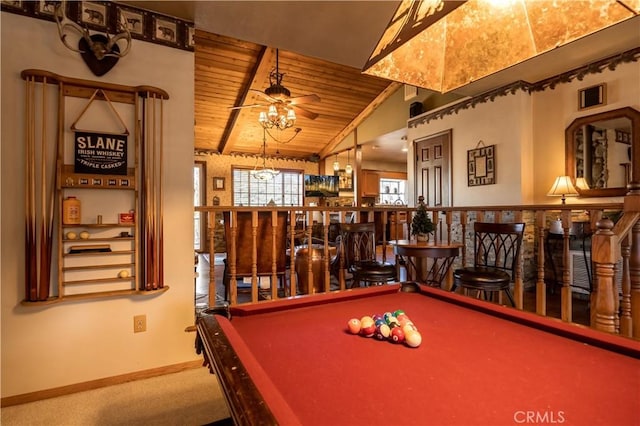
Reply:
x=100 y=153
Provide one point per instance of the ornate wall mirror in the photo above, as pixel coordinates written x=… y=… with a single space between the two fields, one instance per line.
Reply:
x=602 y=149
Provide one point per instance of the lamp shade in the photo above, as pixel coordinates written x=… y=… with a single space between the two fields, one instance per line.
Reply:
x=562 y=187
x=581 y=183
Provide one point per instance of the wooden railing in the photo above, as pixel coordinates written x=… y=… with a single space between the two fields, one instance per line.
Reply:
x=615 y=250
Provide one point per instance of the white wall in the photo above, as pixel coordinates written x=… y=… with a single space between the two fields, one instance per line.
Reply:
x=498 y=123
x=528 y=131
x=554 y=110
x=68 y=343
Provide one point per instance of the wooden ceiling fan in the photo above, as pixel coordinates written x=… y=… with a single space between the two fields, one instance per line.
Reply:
x=279 y=96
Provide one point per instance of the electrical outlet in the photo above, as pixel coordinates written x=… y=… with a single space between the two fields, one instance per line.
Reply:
x=139 y=323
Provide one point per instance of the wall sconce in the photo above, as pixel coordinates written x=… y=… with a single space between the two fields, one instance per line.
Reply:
x=563 y=187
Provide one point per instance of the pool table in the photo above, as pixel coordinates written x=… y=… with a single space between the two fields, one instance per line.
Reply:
x=293 y=361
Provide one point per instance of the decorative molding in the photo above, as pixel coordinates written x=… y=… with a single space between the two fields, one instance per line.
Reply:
x=144 y=25
x=610 y=63
x=246 y=155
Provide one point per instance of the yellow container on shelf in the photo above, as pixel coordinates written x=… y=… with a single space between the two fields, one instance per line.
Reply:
x=71 y=213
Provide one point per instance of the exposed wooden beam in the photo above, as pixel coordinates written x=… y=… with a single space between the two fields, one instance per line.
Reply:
x=264 y=65
x=383 y=96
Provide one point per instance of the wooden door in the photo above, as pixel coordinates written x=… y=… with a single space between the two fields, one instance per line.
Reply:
x=433 y=169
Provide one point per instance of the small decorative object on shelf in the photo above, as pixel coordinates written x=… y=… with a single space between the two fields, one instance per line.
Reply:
x=126 y=218
x=421 y=225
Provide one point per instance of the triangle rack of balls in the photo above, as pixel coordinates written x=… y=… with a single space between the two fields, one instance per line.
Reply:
x=393 y=326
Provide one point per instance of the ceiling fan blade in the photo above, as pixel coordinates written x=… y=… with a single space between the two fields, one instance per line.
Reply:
x=304 y=112
x=249 y=106
x=304 y=99
x=264 y=95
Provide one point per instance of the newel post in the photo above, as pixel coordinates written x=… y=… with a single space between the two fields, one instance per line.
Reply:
x=606 y=252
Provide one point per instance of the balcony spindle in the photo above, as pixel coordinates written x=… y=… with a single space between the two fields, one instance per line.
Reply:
x=606 y=252
x=624 y=325
x=565 y=295
x=541 y=285
x=634 y=278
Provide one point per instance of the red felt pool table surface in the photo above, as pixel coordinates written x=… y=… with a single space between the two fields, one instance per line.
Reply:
x=478 y=364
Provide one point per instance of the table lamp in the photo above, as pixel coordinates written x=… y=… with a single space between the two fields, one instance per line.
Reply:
x=581 y=183
x=563 y=187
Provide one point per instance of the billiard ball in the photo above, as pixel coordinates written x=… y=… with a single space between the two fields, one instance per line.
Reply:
x=377 y=317
x=409 y=327
x=398 y=312
x=413 y=338
x=382 y=332
x=354 y=325
x=379 y=321
x=367 y=326
x=402 y=317
x=397 y=335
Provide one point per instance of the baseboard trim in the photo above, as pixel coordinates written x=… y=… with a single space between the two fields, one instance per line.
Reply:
x=99 y=383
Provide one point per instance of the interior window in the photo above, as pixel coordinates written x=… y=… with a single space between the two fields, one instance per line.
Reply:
x=285 y=189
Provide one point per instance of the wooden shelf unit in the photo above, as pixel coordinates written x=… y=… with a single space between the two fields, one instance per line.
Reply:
x=136 y=186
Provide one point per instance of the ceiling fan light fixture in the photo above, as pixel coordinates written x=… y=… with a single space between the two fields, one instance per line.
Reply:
x=277 y=117
x=273 y=112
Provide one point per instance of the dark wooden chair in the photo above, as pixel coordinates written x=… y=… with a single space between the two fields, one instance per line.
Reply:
x=254 y=242
x=496 y=255
x=357 y=249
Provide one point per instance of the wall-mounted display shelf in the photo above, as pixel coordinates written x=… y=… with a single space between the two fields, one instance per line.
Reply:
x=111 y=245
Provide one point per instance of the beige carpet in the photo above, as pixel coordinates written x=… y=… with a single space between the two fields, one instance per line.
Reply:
x=191 y=397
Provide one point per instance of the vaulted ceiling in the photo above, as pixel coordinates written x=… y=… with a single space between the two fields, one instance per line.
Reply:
x=229 y=72
x=323 y=46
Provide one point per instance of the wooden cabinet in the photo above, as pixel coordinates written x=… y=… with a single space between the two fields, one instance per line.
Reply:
x=370 y=183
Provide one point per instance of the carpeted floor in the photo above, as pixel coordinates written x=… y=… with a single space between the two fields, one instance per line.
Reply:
x=190 y=397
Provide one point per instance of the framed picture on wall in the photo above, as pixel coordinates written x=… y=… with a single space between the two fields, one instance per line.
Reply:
x=481 y=166
x=593 y=96
x=218 y=184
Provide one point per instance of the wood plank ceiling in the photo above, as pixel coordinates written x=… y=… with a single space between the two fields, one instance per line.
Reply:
x=226 y=69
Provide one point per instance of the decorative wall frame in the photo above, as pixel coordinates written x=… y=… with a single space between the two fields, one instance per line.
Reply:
x=345 y=182
x=623 y=137
x=104 y=16
x=165 y=30
x=136 y=21
x=592 y=96
x=481 y=165
x=218 y=184
x=94 y=14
